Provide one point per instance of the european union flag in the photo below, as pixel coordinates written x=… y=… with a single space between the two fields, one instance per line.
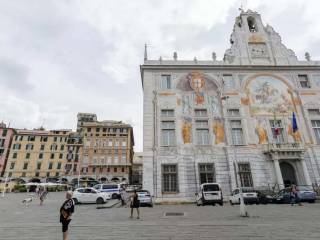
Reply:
x=294 y=123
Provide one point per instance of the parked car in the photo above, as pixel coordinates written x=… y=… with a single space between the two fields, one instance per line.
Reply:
x=113 y=188
x=145 y=198
x=305 y=194
x=249 y=196
x=265 y=196
x=209 y=193
x=90 y=195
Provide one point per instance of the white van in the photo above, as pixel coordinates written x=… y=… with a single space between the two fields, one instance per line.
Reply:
x=113 y=188
x=249 y=196
x=210 y=193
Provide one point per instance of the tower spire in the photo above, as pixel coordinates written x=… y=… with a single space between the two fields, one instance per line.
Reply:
x=145 y=52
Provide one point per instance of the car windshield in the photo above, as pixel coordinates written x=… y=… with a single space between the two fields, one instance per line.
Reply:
x=304 y=189
x=247 y=190
x=110 y=186
x=210 y=187
x=143 y=192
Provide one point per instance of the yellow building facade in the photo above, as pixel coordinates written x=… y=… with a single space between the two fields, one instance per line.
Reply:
x=37 y=154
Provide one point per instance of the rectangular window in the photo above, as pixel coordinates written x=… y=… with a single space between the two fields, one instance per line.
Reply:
x=277 y=130
x=43 y=139
x=245 y=175
x=37 y=174
x=42 y=147
x=165 y=82
x=236 y=132
x=200 y=112
x=15 y=155
x=40 y=155
x=19 y=138
x=31 y=138
x=59 y=165
x=27 y=155
x=314 y=112
x=115 y=169
x=228 y=82
x=202 y=132
x=316 y=129
x=38 y=166
x=61 y=147
x=12 y=165
x=55 y=139
x=2 y=142
x=304 y=81
x=17 y=146
x=233 y=112
x=60 y=155
x=168 y=137
x=25 y=166
x=97 y=129
x=122 y=169
x=4 y=132
x=52 y=156
x=169 y=178
x=167 y=113
x=50 y=165
x=206 y=173
x=29 y=146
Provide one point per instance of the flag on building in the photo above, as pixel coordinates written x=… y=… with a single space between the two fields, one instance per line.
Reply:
x=294 y=123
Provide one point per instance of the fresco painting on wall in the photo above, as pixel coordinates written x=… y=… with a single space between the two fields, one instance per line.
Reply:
x=218 y=130
x=268 y=95
x=295 y=135
x=186 y=130
x=214 y=106
x=261 y=131
x=197 y=83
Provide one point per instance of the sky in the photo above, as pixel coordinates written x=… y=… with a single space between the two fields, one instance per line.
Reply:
x=58 y=58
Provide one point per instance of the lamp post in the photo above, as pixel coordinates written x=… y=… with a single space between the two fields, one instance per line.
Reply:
x=243 y=208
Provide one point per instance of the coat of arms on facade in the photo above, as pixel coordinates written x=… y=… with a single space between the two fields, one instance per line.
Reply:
x=197 y=83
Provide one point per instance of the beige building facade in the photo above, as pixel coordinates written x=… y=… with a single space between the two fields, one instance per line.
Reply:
x=107 y=150
x=37 y=154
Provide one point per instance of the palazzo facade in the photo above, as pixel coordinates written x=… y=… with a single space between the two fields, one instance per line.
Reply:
x=252 y=119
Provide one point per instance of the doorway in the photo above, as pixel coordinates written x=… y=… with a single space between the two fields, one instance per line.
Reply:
x=288 y=174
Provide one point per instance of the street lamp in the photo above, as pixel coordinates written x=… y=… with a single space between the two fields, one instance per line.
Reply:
x=243 y=208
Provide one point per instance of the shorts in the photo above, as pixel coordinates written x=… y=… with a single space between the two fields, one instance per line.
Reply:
x=65 y=225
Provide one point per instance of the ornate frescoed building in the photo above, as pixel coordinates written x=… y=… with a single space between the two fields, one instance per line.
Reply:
x=252 y=119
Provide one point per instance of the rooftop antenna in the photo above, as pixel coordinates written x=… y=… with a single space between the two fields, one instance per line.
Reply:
x=145 y=52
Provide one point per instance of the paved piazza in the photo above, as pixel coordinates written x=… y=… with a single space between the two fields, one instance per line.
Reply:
x=266 y=222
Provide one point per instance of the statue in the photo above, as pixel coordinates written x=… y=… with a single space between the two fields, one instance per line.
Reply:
x=218 y=130
x=262 y=134
x=186 y=131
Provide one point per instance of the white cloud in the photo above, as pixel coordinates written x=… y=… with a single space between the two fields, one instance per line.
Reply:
x=62 y=57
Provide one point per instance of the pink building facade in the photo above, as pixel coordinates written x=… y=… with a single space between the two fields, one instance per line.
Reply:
x=6 y=135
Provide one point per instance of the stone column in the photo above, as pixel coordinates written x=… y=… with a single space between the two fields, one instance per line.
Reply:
x=305 y=173
x=278 y=173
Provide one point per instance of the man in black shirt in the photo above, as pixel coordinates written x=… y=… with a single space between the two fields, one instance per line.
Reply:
x=66 y=211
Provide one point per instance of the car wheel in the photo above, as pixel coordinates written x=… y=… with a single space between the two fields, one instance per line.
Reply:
x=221 y=203
x=231 y=203
x=114 y=196
x=151 y=205
x=100 y=200
x=75 y=201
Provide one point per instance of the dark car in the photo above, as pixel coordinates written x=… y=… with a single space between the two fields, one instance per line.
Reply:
x=265 y=196
x=305 y=194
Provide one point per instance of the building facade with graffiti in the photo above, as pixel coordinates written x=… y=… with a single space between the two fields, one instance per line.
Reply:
x=251 y=119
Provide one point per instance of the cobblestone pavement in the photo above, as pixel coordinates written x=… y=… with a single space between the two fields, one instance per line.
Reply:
x=266 y=222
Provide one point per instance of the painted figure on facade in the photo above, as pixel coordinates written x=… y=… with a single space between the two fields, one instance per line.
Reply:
x=214 y=105
x=218 y=130
x=197 y=83
x=262 y=133
x=186 y=130
x=268 y=94
x=295 y=135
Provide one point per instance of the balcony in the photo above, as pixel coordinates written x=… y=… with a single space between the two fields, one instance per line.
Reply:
x=284 y=150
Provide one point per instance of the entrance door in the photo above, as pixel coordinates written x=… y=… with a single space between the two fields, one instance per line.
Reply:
x=288 y=174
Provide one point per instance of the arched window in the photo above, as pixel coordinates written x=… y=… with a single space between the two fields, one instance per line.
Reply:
x=252 y=24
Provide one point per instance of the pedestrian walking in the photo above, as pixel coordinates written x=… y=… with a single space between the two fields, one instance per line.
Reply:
x=66 y=210
x=135 y=203
x=123 y=200
x=42 y=193
x=294 y=196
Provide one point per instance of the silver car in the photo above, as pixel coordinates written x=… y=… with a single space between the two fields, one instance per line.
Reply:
x=145 y=198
